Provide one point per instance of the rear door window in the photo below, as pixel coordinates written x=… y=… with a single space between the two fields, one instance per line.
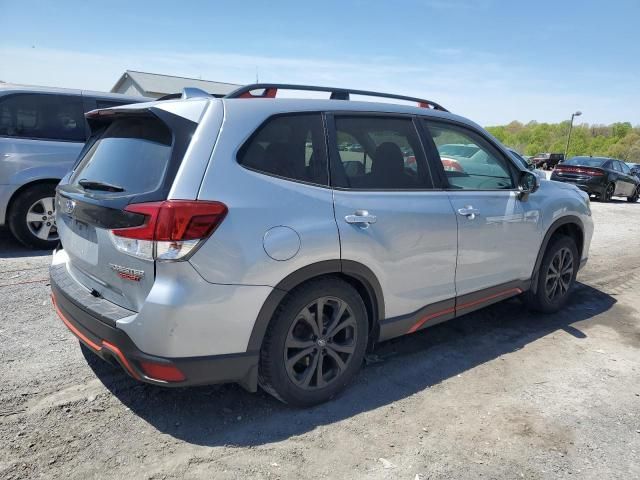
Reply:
x=132 y=154
x=288 y=146
x=43 y=116
x=378 y=153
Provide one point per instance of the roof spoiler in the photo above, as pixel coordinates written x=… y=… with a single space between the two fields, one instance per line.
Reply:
x=190 y=92
x=270 y=90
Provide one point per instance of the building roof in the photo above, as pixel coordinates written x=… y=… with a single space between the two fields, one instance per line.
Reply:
x=166 y=84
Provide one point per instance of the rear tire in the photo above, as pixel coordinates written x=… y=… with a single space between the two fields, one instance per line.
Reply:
x=608 y=193
x=556 y=276
x=304 y=362
x=31 y=217
x=634 y=198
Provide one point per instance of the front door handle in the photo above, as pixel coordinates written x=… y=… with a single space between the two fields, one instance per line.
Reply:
x=361 y=217
x=469 y=212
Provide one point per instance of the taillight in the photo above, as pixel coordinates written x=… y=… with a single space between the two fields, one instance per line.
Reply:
x=581 y=170
x=172 y=229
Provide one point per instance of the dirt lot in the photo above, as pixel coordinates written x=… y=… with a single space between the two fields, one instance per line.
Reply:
x=501 y=393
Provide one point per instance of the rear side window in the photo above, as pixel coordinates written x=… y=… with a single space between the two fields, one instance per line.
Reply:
x=289 y=146
x=378 y=153
x=132 y=154
x=42 y=116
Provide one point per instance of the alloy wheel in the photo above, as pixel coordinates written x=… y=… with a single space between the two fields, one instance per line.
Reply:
x=320 y=343
x=608 y=194
x=559 y=274
x=41 y=220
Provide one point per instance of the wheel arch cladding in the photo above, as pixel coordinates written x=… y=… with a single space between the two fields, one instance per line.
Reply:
x=356 y=274
x=572 y=227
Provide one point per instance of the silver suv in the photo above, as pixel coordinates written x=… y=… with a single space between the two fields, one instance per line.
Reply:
x=42 y=131
x=244 y=240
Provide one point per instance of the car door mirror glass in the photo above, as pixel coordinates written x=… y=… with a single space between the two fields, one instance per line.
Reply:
x=528 y=183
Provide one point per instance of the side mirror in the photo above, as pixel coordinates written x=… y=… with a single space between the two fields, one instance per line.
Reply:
x=528 y=184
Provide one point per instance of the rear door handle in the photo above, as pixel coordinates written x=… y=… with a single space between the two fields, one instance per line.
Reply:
x=469 y=212
x=361 y=217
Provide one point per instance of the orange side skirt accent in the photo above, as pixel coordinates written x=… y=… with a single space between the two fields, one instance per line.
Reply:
x=431 y=316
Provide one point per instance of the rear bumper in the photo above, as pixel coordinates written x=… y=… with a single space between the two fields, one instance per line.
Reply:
x=111 y=343
x=592 y=187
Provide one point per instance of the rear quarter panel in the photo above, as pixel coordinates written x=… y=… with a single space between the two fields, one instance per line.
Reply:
x=257 y=203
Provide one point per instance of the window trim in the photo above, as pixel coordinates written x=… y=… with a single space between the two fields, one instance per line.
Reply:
x=513 y=168
x=48 y=139
x=335 y=160
x=257 y=130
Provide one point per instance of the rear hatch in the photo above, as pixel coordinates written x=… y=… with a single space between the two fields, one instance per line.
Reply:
x=107 y=207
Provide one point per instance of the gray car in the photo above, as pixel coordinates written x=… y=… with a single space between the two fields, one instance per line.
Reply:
x=42 y=131
x=214 y=240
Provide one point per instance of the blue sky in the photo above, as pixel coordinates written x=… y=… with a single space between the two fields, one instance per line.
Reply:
x=491 y=60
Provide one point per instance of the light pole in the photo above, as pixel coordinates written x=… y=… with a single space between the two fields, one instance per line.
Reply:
x=566 y=150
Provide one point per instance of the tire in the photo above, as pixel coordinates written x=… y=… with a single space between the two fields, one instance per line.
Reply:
x=634 y=198
x=608 y=193
x=546 y=299
x=34 y=201
x=298 y=381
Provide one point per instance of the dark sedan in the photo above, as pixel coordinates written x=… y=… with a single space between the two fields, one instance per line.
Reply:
x=600 y=176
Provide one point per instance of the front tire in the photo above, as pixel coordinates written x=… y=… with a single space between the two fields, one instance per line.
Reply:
x=556 y=276
x=32 y=217
x=315 y=343
x=634 y=198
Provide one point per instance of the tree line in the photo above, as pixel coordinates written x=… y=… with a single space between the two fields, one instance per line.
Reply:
x=618 y=140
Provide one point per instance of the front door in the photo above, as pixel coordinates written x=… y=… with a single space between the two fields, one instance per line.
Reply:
x=390 y=218
x=496 y=230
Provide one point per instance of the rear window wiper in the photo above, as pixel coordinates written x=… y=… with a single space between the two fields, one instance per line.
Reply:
x=94 y=185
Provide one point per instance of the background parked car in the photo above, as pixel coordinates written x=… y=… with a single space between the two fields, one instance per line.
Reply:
x=547 y=161
x=635 y=168
x=600 y=176
x=42 y=131
x=526 y=164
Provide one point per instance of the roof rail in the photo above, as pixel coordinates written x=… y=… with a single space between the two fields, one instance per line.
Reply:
x=270 y=90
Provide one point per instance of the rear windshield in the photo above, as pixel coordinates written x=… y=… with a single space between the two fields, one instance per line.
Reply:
x=584 y=162
x=132 y=154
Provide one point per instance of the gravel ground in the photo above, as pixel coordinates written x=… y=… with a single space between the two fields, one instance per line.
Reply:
x=500 y=393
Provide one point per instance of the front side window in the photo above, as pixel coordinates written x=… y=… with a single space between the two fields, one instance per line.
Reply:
x=42 y=116
x=379 y=153
x=616 y=166
x=289 y=146
x=469 y=161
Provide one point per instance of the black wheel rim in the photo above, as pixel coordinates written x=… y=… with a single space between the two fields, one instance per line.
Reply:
x=320 y=343
x=609 y=193
x=559 y=274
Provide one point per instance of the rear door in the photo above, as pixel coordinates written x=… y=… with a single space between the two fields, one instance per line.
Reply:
x=389 y=216
x=133 y=157
x=496 y=230
x=628 y=178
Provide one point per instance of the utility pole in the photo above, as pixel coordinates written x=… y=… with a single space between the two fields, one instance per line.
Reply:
x=566 y=150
